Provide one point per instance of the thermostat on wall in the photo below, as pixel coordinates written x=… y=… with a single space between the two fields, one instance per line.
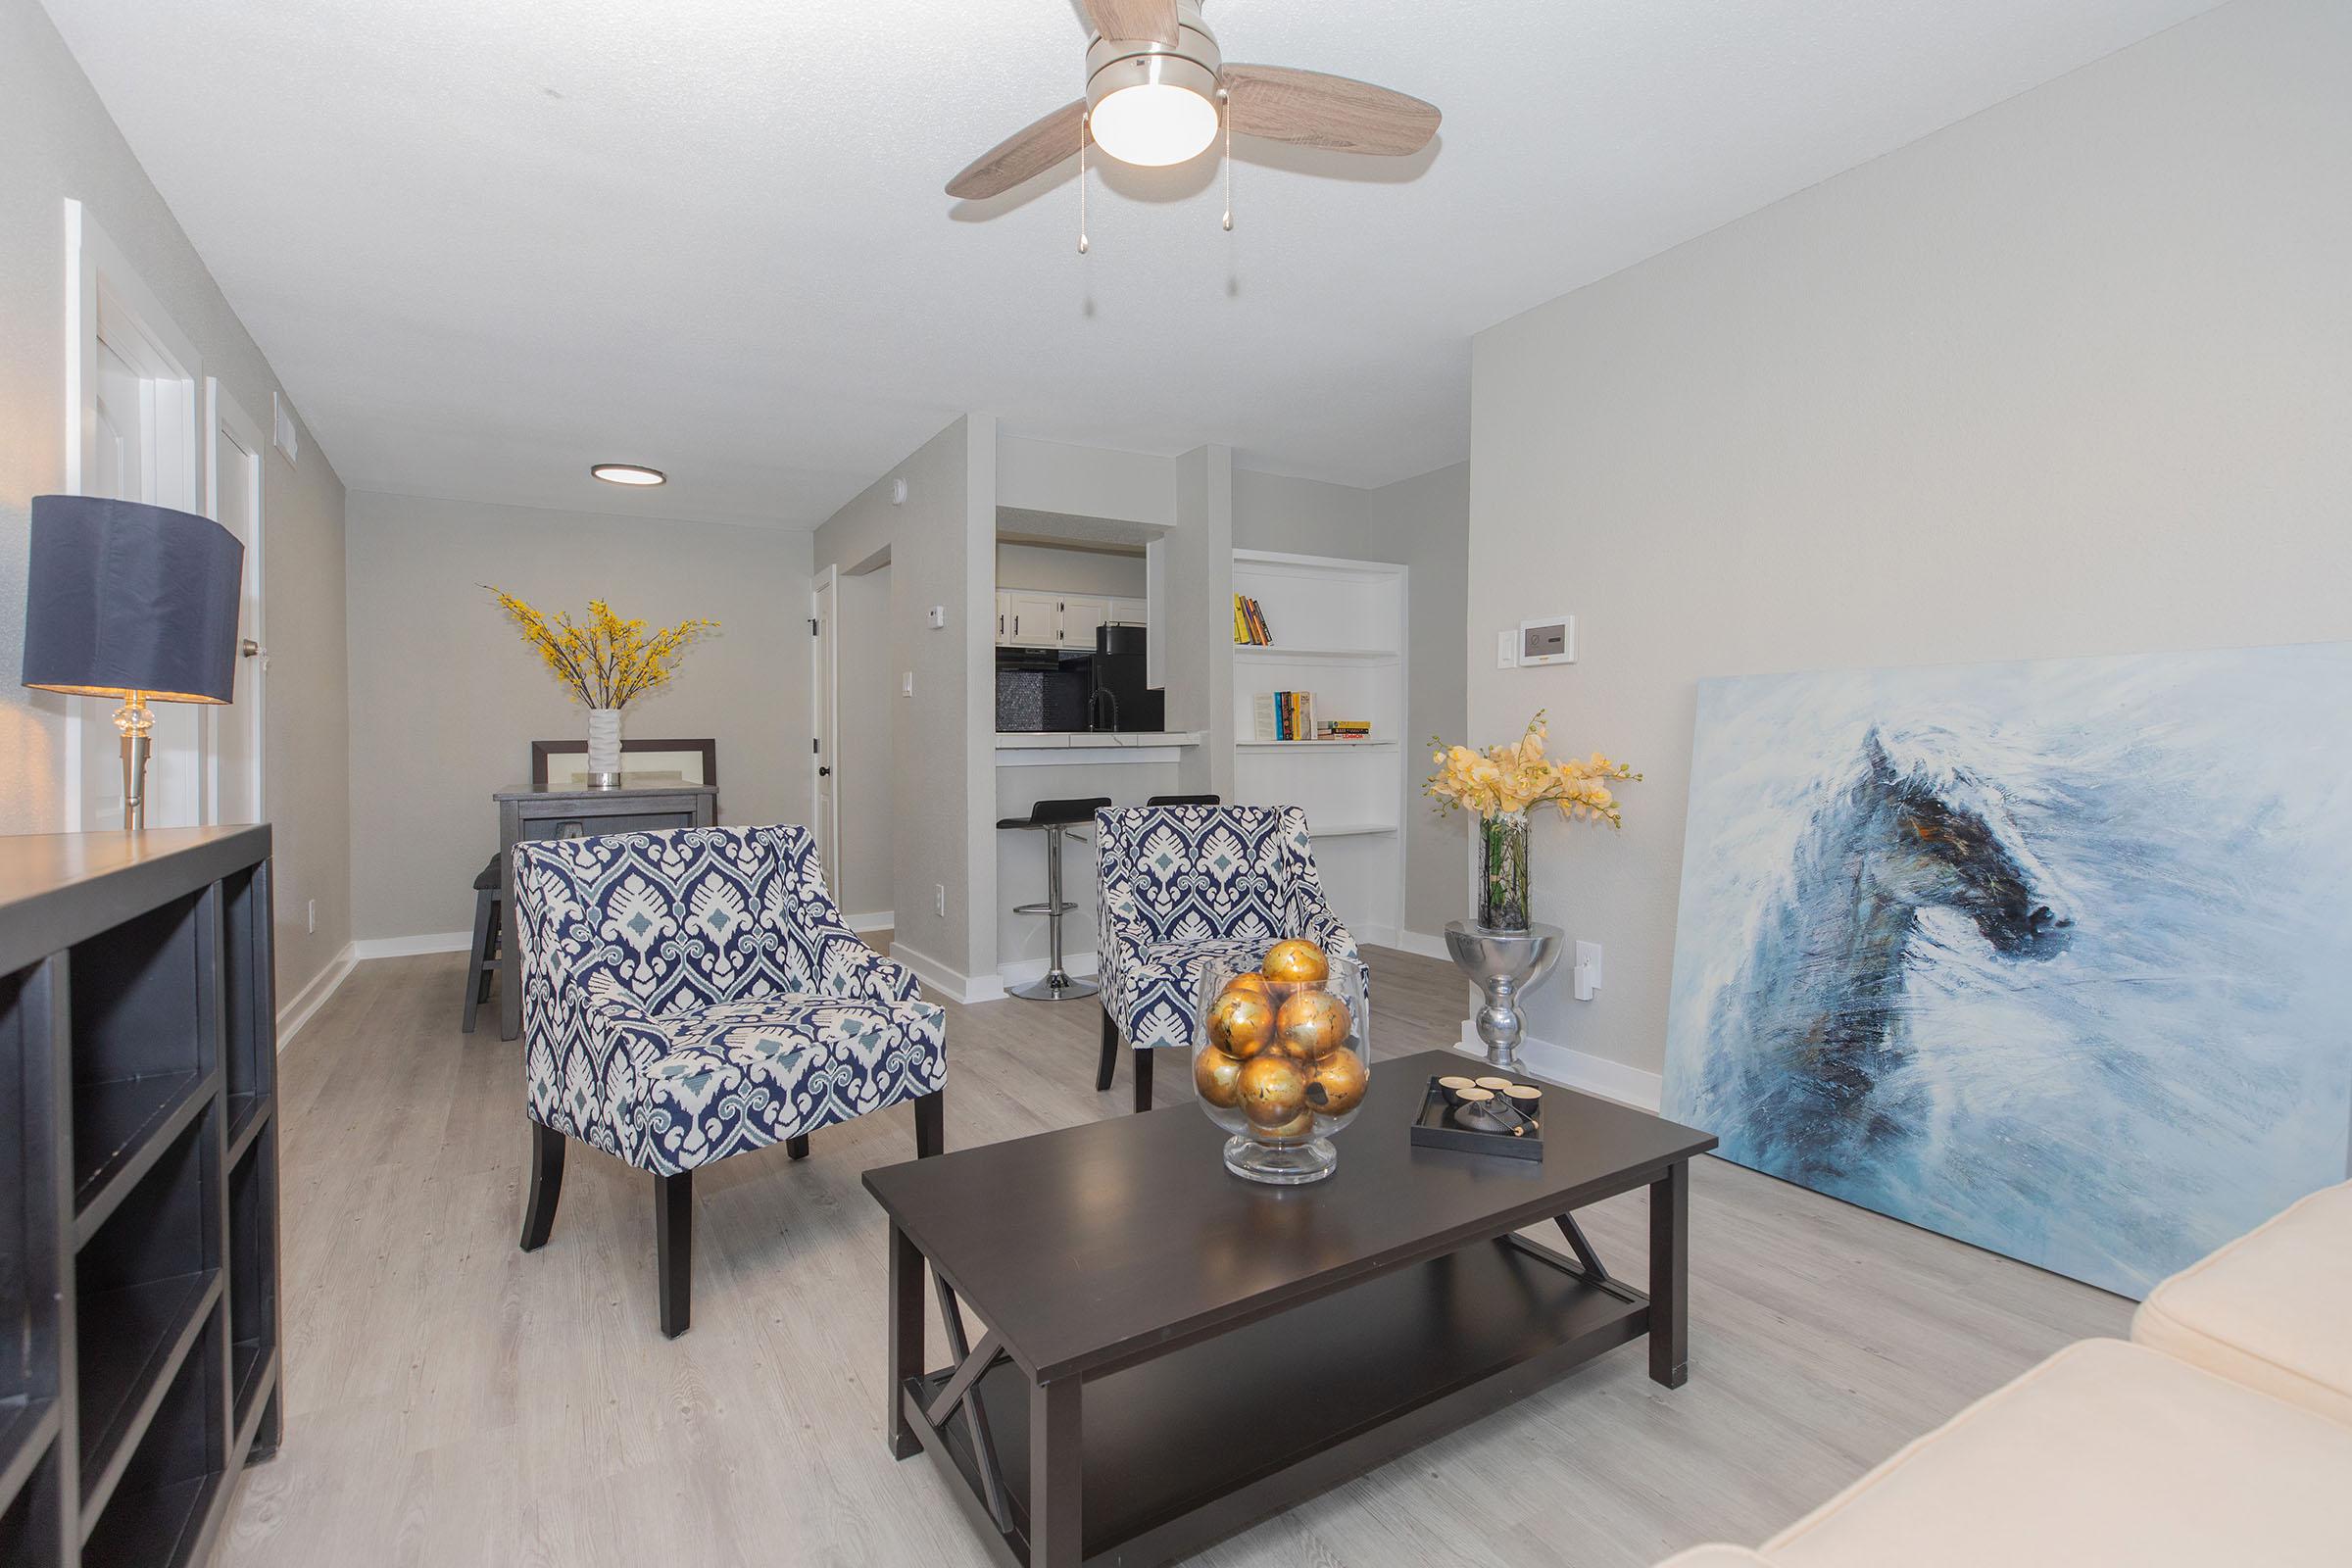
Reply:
x=1547 y=640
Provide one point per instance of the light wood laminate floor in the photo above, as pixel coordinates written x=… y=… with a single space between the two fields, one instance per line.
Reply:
x=452 y=1400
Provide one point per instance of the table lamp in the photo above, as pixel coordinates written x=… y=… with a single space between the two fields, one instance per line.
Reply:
x=132 y=601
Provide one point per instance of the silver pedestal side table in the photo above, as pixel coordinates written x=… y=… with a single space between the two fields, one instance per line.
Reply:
x=1506 y=965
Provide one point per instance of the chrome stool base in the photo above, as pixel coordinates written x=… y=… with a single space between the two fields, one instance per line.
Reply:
x=1055 y=987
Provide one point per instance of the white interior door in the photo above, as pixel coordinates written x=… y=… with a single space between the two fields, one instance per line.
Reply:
x=825 y=708
x=233 y=753
x=133 y=432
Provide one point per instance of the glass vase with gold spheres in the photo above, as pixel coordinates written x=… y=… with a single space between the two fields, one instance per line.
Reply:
x=1281 y=1054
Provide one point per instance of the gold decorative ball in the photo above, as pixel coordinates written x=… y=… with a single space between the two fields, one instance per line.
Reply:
x=1241 y=1022
x=1273 y=1090
x=1297 y=963
x=1336 y=1085
x=1217 y=1077
x=1252 y=981
x=1299 y=1127
x=1312 y=1024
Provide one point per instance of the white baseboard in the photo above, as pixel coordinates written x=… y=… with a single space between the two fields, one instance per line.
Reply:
x=1578 y=1069
x=1021 y=971
x=953 y=984
x=412 y=947
x=310 y=997
x=872 y=920
x=1424 y=944
x=1374 y=936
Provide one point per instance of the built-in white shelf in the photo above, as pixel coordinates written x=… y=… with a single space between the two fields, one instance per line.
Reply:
x=1276 y=654
x=1340 y=631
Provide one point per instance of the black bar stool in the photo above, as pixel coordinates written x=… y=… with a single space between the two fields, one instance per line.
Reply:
x=1054 y=818
x=1184 y=799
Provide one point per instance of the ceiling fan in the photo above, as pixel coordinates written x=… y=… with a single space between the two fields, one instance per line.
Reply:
x=1154 y=85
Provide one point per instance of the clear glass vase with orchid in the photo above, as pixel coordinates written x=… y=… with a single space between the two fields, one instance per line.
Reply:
x=1501 y=784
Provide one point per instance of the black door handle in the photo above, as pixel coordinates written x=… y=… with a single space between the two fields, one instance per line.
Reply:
x=824 y=772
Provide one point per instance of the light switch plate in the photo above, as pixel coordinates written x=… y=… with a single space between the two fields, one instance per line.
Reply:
x=907 y=684
x=898 y=492
x=939 y=616
x=1506 y=650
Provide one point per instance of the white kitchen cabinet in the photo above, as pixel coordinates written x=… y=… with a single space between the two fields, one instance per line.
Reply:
x=1030 y=619
x=1079 y=618
x=1129 y=611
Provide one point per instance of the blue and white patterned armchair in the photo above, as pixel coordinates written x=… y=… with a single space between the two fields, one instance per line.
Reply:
x=1184 y=884
x=694 y=993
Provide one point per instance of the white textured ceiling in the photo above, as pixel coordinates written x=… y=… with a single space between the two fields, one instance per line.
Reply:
x=488 y=244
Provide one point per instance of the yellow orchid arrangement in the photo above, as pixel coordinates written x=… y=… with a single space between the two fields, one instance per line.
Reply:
x=608 y=661
x=1504 y=780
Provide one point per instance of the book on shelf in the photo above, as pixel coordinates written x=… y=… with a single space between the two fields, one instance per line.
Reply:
x=1249 y=623
x=1344 y=729
x=1283 y=715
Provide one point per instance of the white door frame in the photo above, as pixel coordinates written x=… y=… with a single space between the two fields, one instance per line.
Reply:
x=101 y=283
x=224 y=415
x=824 y=708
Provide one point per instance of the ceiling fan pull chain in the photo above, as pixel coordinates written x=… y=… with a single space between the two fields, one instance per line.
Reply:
x=1085 y=125
x=1227 y=100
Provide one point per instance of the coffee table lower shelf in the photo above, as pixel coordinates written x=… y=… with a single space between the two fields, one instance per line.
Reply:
x=1185 y=1449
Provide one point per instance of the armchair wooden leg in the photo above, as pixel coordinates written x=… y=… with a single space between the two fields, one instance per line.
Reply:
x=1108 y=1068
x=547 y=1185
x=673 y=1246
x=930 y=1123
x=1143 y=1080
x=797 y=1148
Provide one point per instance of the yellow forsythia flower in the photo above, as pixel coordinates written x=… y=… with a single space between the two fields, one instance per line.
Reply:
x=608 y=661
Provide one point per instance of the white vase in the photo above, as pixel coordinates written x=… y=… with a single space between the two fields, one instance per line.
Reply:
x=604 y=748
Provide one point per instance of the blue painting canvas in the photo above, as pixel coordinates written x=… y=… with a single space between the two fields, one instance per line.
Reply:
x=2054 y=957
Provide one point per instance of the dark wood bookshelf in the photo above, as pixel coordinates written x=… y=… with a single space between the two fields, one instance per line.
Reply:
x=138 y=1146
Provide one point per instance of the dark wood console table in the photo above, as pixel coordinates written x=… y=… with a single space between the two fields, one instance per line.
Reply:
x=138 y=1152
x=571 y=814
x=1171 y=1354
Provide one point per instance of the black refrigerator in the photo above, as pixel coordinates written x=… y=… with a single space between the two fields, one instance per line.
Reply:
x=1117 y=697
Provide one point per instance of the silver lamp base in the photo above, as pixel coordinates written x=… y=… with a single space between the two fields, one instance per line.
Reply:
x=1504 y=965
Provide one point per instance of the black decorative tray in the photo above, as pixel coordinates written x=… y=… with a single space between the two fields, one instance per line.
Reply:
x=1436 y=1128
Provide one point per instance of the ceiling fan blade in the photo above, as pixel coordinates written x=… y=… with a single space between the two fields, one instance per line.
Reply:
x=1022 y=156
x=1330 y=112
x=1136 y=20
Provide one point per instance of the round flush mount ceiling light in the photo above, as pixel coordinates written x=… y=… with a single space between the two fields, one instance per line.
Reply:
x=628 y=474
x=1154 y=103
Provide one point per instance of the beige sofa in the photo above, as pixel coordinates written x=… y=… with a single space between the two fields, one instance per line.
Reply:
x=2221 y=1434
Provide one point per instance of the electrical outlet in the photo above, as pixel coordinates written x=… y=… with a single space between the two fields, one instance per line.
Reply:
x=309 y=916
x=939 y=898
x=1587 y=970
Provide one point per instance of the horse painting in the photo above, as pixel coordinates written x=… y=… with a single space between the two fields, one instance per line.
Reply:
x=1951 y=949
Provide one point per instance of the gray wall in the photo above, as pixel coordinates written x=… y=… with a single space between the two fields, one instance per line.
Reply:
x=57 y=142
x=445 y=700
x=942 y=780
x=1422 y=524
x=1056 y=570
x=2073 y=376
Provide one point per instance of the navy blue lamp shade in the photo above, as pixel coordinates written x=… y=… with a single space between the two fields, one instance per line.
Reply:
x=122 y=597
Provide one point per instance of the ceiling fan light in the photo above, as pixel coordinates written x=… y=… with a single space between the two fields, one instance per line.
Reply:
x=1154 y=124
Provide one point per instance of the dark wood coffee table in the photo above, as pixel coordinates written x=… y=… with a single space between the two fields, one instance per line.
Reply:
x=1171 y=1352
